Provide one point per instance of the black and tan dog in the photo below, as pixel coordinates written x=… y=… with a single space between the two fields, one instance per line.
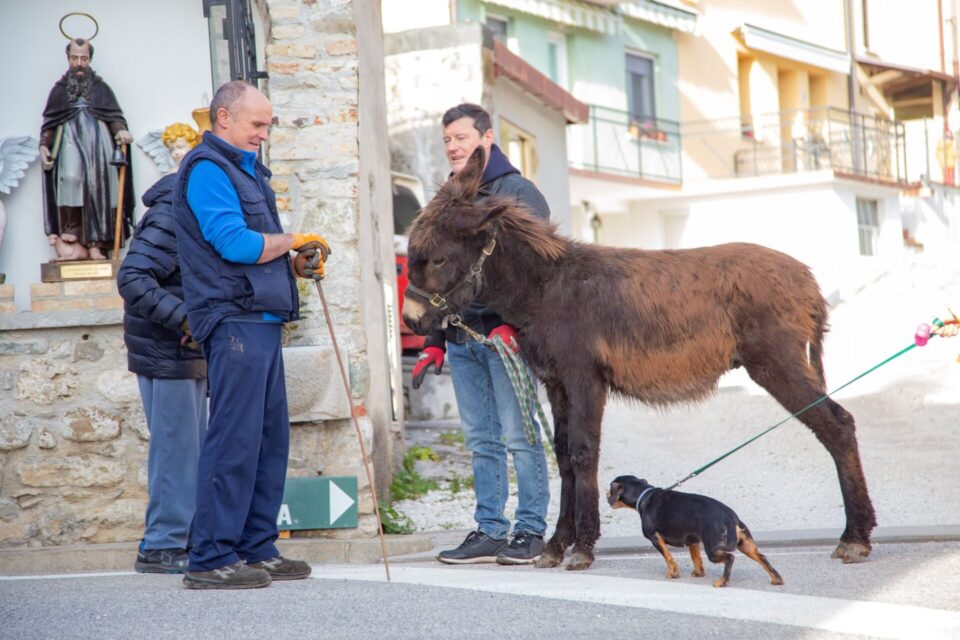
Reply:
x=688 y=520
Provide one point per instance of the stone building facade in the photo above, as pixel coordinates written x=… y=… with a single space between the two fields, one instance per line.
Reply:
x=73 y=439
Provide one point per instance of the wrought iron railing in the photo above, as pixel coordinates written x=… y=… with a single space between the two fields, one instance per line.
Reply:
x=798 y=140
x=616 y=142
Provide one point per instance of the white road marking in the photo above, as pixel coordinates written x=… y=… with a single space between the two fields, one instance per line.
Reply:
x=61 y=576
x=877 y=619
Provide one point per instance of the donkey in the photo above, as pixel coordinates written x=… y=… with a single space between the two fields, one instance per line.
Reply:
x=658 y=326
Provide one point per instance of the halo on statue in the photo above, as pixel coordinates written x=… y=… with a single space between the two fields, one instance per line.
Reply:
x=96 y=25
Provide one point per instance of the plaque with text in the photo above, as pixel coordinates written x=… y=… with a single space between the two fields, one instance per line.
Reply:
x=79 y=270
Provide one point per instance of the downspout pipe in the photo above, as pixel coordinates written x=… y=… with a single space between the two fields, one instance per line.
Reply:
x=851 y=94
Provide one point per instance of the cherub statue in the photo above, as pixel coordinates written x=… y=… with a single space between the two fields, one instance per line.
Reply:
x=16 y=154
x=168 y=147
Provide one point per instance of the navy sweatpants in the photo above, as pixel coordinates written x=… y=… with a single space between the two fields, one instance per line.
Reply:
x=243 y=461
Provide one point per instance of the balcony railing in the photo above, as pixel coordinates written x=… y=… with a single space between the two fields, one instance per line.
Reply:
x=799 y=140
x=615 y=142
x=931 y=152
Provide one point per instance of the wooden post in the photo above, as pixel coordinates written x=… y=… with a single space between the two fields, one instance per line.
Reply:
x=121 y=186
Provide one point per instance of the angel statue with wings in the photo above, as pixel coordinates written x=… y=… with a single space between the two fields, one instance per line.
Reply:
x=168 y=147
x=16 y=154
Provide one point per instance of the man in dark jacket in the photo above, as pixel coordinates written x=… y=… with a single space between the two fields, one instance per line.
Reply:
x=172 y=375
x=489 y=410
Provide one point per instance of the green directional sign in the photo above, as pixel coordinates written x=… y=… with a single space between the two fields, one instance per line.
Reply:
x=318 y=503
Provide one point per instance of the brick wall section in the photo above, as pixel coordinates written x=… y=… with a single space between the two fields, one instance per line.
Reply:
x=77 y=295
x=7 y=304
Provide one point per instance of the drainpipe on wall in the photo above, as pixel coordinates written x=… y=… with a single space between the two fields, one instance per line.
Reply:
x=848 y=9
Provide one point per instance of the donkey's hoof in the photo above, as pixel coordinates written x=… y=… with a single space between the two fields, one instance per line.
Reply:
x=547 y=561
x=851 y=552
x=579 y=561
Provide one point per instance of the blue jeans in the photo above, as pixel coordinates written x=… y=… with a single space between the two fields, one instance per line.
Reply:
x=176 y=413
x=243 y=462
x=493 y=426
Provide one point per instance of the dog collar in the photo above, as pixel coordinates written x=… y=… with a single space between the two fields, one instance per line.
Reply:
x=643 y=494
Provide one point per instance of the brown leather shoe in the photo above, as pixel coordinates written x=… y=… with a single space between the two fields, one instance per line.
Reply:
x=281 y=568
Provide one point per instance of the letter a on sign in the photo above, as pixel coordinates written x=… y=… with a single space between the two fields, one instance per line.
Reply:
x=283 y=518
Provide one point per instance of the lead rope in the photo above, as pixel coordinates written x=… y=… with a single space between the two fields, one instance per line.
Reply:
x=921 y=338
x=523 y=386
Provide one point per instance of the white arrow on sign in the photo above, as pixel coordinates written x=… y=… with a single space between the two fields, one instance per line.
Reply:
x=339 y=502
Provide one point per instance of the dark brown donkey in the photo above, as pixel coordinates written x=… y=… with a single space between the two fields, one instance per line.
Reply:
x=659 y=326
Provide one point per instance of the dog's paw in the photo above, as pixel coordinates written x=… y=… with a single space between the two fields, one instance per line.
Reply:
x=697 y=573
x=720 y=582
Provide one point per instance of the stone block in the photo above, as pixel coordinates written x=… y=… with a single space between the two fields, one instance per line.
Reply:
x=288 y=32
x=283 y=68
x=119 y=385
x=314 y=387
x=44 y=382
x=46 y=439
x=61 y=304
x=15 y=433
x=341 y=46
x=6 y=292
x=89 y=287
x=23 y=347
x=283 y=12
x=7 y=306
x=84 y=470
x=108 y=302
x=91 y=424
x=46 y=290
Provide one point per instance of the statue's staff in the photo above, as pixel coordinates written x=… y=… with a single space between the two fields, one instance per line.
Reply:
x=119 y=159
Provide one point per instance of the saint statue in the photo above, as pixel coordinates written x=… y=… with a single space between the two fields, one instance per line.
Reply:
x=81 y=124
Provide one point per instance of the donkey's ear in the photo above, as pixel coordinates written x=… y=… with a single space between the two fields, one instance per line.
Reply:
x=471 y=174
x=478 y=218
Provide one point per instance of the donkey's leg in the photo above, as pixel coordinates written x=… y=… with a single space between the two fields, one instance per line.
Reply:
x=586 y=414
x=789 y=379
x=565 y=531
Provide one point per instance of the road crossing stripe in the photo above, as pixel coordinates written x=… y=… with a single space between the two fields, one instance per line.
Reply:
x=877 y=619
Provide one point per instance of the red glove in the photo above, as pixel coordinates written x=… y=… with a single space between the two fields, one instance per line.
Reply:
x=509 y=336
x=429 y=355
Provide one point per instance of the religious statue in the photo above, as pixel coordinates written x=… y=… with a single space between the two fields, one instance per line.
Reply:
x=82 y=122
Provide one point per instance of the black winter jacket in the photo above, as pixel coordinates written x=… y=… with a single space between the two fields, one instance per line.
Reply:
x=149 y=283
x=503 y=179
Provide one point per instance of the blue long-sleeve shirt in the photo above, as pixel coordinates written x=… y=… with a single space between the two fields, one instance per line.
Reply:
x=215 y=203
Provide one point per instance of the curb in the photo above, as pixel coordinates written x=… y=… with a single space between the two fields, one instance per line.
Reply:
x=622 y=545
x=119 y=556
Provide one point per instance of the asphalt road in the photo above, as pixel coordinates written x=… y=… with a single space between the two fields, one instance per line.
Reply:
x=904 y=591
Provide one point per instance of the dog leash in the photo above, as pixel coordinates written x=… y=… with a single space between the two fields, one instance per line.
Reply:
x=922 y=336
x=356 y=426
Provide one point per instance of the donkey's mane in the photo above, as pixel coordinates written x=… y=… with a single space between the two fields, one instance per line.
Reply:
x=520 y=223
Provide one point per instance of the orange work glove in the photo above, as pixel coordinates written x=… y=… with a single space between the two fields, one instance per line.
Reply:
x=309 y=261
x=429 y=355
x=509 y=336
x=302 y=239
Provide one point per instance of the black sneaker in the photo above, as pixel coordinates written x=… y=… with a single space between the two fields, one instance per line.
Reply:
x=476 y=548
x=281 y=568
x=233 y=576
x=161 y=561
x=525 y=548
